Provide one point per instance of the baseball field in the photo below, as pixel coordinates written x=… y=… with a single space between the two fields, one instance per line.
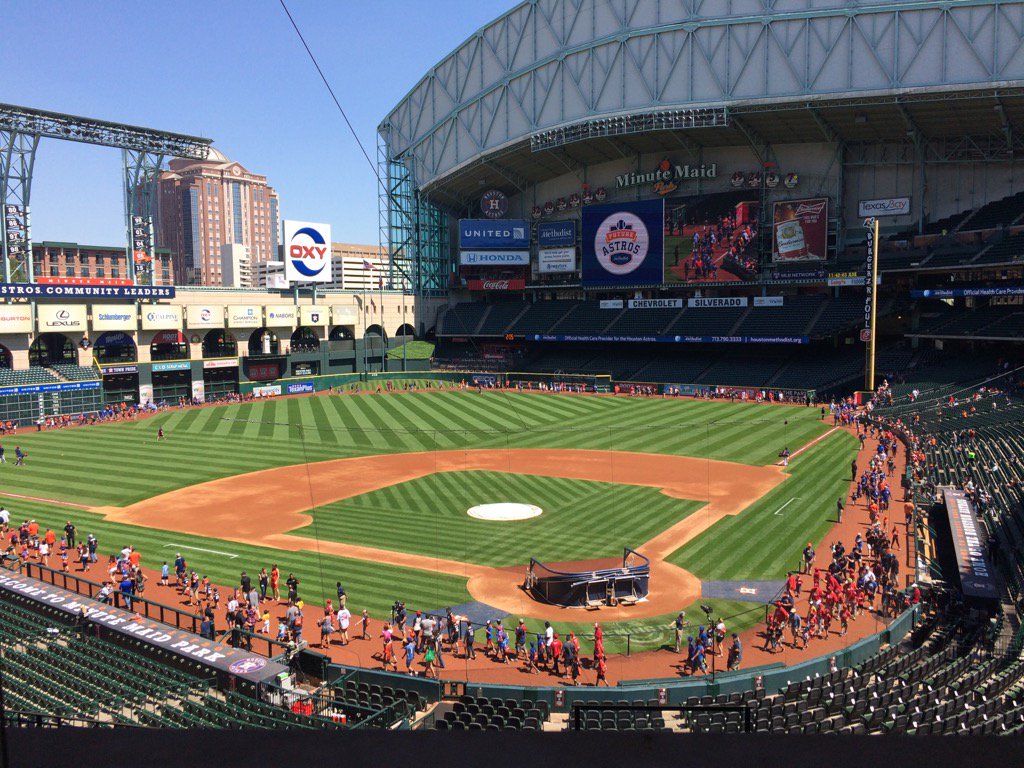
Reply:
x=373 y=490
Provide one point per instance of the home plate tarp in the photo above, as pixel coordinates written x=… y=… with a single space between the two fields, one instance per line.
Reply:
x=748 y=591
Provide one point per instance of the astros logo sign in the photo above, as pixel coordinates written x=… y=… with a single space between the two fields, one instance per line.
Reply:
x=621 y=243
x=308 y=256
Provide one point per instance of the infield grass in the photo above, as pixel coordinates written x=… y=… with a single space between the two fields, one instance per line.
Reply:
x=427 y=516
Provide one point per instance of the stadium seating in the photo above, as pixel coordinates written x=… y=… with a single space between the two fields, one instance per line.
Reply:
x=472 y=713
x=499 y=316
x=462 y=319
x=542 y=316
x=18 y=378
x=75 y=372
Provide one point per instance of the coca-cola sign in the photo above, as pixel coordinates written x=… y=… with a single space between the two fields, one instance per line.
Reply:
x=496 y=285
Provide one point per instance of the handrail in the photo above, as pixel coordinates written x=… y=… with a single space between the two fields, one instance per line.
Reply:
x=150 y=608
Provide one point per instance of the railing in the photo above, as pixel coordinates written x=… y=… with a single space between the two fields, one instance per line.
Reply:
x=18 y=719
x=261 y=644
x=151 y=609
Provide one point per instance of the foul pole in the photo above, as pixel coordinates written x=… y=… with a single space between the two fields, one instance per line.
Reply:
x=870 y=302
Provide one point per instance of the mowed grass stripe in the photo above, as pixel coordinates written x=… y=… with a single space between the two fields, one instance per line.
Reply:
x=759 y=544
x=120 y=463
x=428 y=516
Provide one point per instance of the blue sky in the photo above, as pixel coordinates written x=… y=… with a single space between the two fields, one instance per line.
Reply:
x=233 y=71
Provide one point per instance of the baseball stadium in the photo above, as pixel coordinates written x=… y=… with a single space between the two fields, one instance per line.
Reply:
x=691 y=402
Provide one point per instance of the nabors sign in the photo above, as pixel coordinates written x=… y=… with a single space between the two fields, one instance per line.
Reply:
x=307 y=257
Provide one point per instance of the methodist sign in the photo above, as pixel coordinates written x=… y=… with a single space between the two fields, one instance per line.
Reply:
x=976 y=576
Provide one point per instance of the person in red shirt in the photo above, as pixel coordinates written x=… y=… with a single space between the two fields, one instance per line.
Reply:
x=602 y=671
x=556 y=652
x=275 y=576
x=598 y=642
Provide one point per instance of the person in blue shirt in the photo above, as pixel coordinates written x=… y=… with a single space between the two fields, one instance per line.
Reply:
x=410 y=653
x=126 y=592
x=735 y=652
x=164 y=573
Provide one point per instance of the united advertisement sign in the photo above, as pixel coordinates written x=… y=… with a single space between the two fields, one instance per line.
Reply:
x=488 y=233
x=623 y=243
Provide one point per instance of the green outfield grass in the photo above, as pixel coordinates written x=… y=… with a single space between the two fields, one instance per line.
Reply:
x=427 y=516
x=118 y=464
x=766 y=539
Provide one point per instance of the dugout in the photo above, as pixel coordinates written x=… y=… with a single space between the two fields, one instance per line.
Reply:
x=962 y=549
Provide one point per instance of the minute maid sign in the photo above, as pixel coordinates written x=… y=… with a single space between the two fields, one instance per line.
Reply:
x=666 y=177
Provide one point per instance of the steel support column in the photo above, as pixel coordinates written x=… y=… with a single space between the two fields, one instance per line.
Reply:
x=17 y=157
x=141 y=169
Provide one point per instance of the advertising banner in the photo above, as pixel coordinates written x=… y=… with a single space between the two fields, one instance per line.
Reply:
x=245 y=316
x=16 y=318
x=654 y=304
x=282 y=315
x=673 y=339
x=204 y=316
x=969 y=544
x=551 y=261
x=800 y=230
x=84 y=280
x=888 y=206
x=224 y=363
x=552 y=234
x=307 y=252
x=343 y=314
x=160 y=316
x=623 y=243
x=36 y=290
x=168 y=337
x=611 y=303
x=722 y=301
x=490 y=233
x=846 y=279
x=314 y=316
x=177 y=365
x=60 y=318
x=115 y=317
x=199 y=390
x=268 y=391
x=496 y=285
x=300 y=387
x=768 y=301
x=145 y=393
x=38 y=389
x=111 y=370
x=494 y=258
x=959 y=293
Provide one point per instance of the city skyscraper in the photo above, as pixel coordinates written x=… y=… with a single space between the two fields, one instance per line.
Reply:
x=203 y=206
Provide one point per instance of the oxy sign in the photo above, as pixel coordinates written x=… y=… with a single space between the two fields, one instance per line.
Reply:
x=307 y=252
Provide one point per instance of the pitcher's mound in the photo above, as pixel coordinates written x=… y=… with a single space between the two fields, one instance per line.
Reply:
x=504 y=512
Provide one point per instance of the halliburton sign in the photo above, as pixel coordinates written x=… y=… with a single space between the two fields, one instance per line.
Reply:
x=496 y=285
